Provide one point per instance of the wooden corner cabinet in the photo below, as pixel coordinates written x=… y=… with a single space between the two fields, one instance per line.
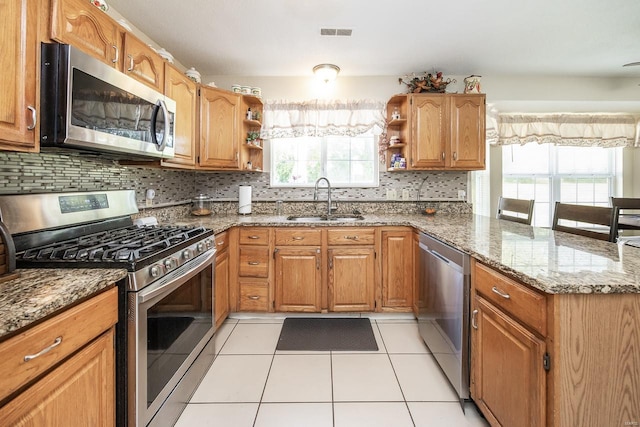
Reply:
x=443 y=131
x=398 y=127
x=184 y=92
x=74 y=382
x=18 y=76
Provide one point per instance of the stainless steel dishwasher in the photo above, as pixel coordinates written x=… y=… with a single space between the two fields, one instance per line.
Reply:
x=443 y=318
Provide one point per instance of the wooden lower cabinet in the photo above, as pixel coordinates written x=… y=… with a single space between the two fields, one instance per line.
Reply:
x=397 y=269
x=73 y=382
x=298 y=279
x=509 y=381
x=351 y=279
x=253 y=295
x=221 y=287
x=80 y=392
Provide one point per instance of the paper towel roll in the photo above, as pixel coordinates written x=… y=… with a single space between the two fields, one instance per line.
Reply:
x=244 y=199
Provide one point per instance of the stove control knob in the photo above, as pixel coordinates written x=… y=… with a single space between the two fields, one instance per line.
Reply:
x=209 y=243
x=186 y=254
x=155 y=271
x=200 y=247
x=168 y=263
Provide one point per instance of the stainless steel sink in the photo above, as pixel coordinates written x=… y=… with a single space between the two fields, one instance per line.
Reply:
x=335 y=217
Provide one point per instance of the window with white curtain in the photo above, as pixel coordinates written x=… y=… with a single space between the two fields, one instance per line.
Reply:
x=347 y=161
x=548 y=173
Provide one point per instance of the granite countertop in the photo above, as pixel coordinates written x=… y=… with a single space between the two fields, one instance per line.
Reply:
x=553 y=262
x=38 y=293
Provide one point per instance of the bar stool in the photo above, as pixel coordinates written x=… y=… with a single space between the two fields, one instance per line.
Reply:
x=517 y=206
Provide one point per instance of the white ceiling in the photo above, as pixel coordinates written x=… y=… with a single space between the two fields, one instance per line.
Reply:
x=458 y=37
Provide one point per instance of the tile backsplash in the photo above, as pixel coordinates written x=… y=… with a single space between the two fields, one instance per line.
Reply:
x=76 y=171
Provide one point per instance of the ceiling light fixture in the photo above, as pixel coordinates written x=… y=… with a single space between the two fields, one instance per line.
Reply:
x=326 y=72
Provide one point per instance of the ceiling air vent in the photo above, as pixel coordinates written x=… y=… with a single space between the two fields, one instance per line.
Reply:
x=335 y=32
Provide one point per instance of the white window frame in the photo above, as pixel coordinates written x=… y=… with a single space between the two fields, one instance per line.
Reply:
x=323 y=165
x=555 y=178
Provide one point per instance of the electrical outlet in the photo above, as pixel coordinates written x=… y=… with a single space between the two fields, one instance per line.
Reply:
x=462 y=194
x=405 y=194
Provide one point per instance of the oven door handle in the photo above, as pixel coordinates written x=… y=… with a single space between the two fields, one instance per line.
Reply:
x=177 y=277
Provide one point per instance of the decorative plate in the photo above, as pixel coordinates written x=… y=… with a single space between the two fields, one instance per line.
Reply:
x=100 y=4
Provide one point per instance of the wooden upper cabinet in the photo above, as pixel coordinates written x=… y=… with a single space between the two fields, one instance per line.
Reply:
x=142 y=63
x=79 y=23
x=219 y=141
x=429 y=131
x=184 y=92
x=18 y=71
x=447 y=131
x=467 y=120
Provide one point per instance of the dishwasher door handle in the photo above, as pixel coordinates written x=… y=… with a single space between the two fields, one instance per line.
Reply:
x=440 y=256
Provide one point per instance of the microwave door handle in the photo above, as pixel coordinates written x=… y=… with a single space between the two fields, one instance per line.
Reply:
x=154 y=120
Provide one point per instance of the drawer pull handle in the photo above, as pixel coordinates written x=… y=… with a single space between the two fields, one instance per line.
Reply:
x=253 y=297
x=351 y=237
x=254 y=263
x=117 y=56
x=474 y=319
x=56 y=343
x=220 y=243
x=298 y=237
x=499 y=292
x=130 y=63
x=254 y=237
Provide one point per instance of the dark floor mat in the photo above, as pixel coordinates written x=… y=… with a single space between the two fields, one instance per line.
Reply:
x=327 y=334
x=167 y=329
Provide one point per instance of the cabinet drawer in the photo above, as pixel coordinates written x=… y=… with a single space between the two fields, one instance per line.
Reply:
x=222 y=241
x=298 y=237
x=254 y=262
x=254 y=296
x=351 y=236
x=254 y=236
x=523 y=303
x=64 y=334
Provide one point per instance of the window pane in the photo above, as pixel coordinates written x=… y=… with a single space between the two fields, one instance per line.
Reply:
x=582 y=160
x=349 y=161
x=529 y=158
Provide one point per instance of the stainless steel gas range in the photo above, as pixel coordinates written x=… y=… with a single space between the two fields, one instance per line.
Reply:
x=165 y=326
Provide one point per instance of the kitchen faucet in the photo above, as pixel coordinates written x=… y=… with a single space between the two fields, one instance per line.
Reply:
x=420 y=188
x=315 y=193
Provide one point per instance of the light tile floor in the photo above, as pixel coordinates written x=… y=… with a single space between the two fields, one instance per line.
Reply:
x=250 y=384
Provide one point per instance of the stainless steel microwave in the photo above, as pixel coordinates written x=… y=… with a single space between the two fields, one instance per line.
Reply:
x=87 y=104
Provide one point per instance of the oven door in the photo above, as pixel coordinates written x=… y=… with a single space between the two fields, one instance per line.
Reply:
x=170 y=321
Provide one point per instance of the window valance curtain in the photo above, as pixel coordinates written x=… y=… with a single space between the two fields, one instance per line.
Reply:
x=587 y=130
x=284 y=119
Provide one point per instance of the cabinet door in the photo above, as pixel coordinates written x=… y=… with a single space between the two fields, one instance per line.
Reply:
x=508 y=381
x=18 y=61
x=419 y=299
x=80 y=391
x=397 y=269
x=184 y=92
x=298 y=279
x=79 y=23
x=219 y=115
x=142 y=63
x=429 y=131
x=467 y=117
x=221 y=287
x=351 y=279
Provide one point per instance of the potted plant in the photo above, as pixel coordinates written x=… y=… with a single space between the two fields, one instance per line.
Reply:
x=253 y=138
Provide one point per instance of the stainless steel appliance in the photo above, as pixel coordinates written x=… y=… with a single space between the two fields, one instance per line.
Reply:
x=165 y=326
x=90 y=105
x=443 y=318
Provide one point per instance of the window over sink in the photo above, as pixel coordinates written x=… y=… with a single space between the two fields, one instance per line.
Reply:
x=347 y=161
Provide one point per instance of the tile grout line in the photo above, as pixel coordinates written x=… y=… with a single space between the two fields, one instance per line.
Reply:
x=333 y=409
x=264 y=388
x=406 y=404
